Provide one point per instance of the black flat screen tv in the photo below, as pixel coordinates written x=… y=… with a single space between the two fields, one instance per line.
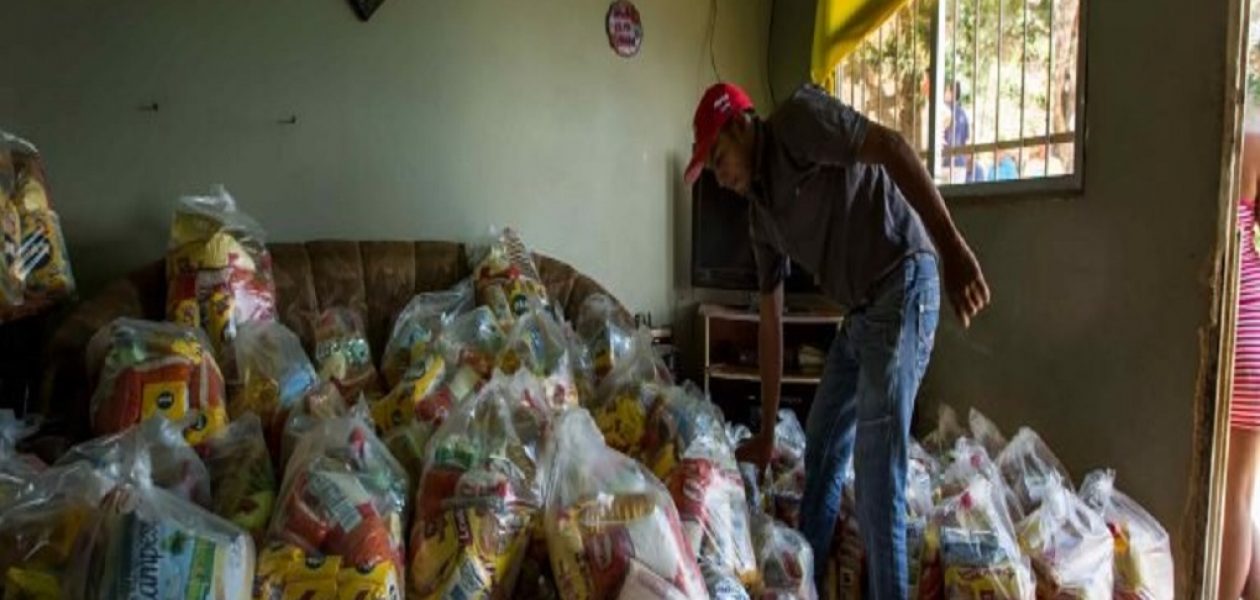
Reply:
x=721 y=249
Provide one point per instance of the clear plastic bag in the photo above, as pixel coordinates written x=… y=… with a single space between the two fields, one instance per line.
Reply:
x=321 y=403
x=986 y=432
x=786 y=483
x=1143 y=553
x=147 y=542
x=274 y=371
x=241 y=477
x=978 y=551
x=35 y=266
x=470 y=345
x=155 y=446
x=481 y=496
x=148 y=369
x=218 y=271
x=40 y=528
x=612 y=529
x=971 y=460
x=688 y=449
x=506 y=279
x=343 y=356
x=17 y=471
x=626 y=397
x=940 y=442
x=1029 y=466
x=1070 y=547
x=605 y=331
x=786 y=561
x=540 y=344
x=418 y=325
x=343 y=499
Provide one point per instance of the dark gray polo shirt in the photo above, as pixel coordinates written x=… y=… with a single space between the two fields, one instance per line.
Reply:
x=843 y=221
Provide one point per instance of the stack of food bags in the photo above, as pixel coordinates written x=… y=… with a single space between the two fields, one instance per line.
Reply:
x=40 y=527
x=146 y=542
x=612 y=529
x=978 y=550
x=542 y=346
x=1070 y=547
x=275 y=375
x=17 y=470
x=506 y=279
x=480 y=500
x=34 y=268
x=218 y=271
x=628 y=395
x=414 y=336
x=686 y=447
x=242 y=481
x=146 y=369
x=1143 y=556
x=337 y=530
x=343 y=355
x=785 y=560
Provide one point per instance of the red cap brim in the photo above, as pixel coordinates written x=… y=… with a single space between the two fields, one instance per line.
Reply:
x=698 y=159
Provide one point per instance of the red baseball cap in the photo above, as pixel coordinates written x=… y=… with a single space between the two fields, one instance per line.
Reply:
x=719 y=103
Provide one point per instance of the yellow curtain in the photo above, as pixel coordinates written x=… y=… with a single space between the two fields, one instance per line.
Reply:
x=839 y=26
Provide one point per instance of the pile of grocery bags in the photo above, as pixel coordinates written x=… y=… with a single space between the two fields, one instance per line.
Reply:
x=499 y=451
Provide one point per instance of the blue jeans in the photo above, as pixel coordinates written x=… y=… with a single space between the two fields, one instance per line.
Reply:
x=867 y=397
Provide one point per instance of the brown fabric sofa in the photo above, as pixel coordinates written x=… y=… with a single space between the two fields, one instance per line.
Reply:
x=377 y=279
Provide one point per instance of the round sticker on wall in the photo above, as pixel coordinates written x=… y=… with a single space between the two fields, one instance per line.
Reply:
x=625 y=28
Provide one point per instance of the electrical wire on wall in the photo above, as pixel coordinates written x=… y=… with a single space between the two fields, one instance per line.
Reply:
x=713 y=14
x=769 y=49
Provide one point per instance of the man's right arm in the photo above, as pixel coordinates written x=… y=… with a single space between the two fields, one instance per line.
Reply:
x=770 y=358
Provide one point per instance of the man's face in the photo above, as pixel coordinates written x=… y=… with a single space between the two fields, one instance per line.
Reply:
x=732 y=156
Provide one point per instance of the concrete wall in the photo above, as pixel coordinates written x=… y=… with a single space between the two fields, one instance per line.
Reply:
x=1092 y=336
x=434 y=120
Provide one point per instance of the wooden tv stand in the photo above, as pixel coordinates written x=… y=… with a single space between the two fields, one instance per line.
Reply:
x=731 y=375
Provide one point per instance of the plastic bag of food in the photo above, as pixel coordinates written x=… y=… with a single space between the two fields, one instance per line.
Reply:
x=416 y=329
x=321 y=403
x=986 y=432
x=17 y=471
x=168 y=461
x=785 y=560
x=606 y=331
x=612 y=529
x=241 y=477
x=628 y=395
x=1143 y=554
x=40 y=527
x=470 y=344
x=343 y=496
x=698 y=466
x=940 y=442
x=505 y=278
x=36 y=268
x=147 y=369
x=978 y=551
x=274 y=372
x=288 y=571
x=1070 y=547
x=1029 y=466
x=541 y=345
x=218 y=271
x=481 y=495
x=343 y=356
x=147 y=542
x=786 y=483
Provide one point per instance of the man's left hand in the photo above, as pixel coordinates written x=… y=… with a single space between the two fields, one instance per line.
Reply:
x=964 y=282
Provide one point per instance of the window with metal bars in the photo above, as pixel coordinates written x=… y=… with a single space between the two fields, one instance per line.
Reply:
x=988 y=91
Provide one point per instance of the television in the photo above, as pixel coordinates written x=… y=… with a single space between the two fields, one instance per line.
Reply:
x=721 y=246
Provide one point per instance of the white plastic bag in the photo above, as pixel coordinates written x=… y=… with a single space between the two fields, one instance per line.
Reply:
x=785 y=559
x=979 y=552
x=17 y=471
x=1029 y=466
x=1070 y=547
x=157 y=447
x=1143 y=553
x=417 y=327
x=986 y=432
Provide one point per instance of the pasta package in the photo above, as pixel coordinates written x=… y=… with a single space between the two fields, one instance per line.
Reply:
x=343 y=496
x=218 y=271
x=286 y=571
x=34 y=265
x=625 y=399
x=1142 y=551
x=147 y=369
x=481 y=496
x=417 y=327
x=612 y=529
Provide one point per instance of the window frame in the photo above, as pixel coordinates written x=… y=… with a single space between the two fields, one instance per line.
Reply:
x=1058 y=185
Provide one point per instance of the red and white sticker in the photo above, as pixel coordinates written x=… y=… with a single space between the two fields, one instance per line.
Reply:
x=625 y=28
